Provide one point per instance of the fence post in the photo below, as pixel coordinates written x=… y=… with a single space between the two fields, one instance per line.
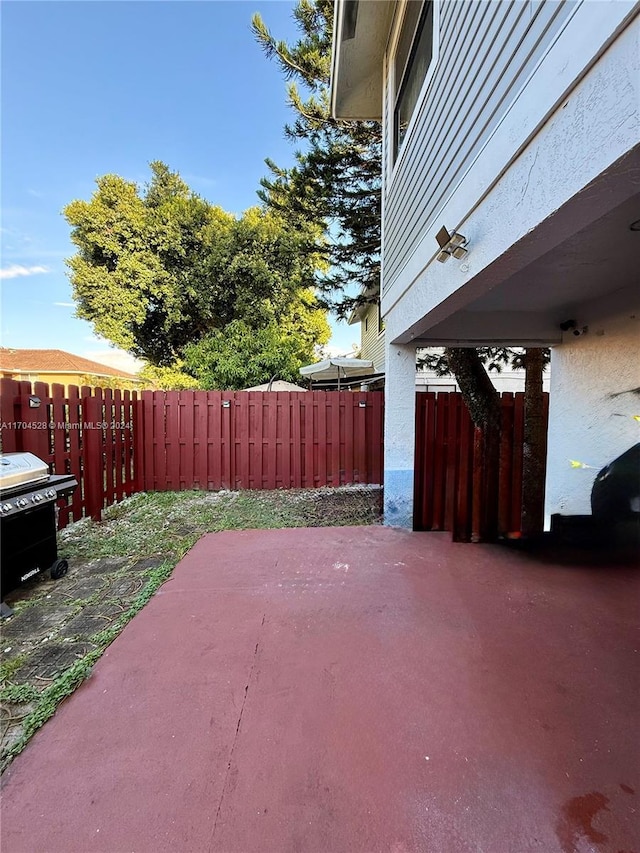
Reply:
x=35 y=438
x=505 y=495
x=139 y=425
x=477 y=484
x=11 y=436
x=92 y=452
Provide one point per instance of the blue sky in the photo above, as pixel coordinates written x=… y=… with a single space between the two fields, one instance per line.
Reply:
x=95 y=87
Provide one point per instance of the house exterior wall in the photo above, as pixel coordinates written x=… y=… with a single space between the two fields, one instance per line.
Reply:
x=65 y=379
x=486 y=52
x=509 y=379
x=525 y=138
x=574 y=118
x=572 y=121
x=371 y=339
x=591 y=412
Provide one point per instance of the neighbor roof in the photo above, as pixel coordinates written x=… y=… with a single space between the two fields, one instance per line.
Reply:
x=54 y=361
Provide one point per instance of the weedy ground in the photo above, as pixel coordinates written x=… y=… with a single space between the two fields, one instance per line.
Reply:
x=61 y=628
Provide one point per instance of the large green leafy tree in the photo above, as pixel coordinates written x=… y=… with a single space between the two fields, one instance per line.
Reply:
x=160 y=268
x=140 y=271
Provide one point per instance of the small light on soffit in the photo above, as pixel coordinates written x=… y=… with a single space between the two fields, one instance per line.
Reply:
x=635 y=226
x=451 y=245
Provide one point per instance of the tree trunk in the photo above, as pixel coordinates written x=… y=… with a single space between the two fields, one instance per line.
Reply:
x=483 y=402
x=535 y=444
x=482 y=399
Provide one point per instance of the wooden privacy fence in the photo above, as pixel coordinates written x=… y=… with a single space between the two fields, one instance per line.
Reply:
x=449 y=482
x=89 y=432
x=119 y=442
x=260 y=440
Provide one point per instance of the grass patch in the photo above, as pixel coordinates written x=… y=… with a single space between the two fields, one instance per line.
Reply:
x=169 y=523
x=8 y=667
x=19 y=693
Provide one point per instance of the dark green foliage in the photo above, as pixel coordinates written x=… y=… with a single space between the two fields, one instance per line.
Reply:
x=240 y=357
x=140 y=272
x=336 y=181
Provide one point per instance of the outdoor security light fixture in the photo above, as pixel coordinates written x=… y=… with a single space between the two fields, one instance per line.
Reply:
x=451 y=245
x=572 y=326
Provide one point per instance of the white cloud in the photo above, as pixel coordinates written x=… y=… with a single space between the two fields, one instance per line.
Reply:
x=116 y=358
x=65 y=304
x=17 y=270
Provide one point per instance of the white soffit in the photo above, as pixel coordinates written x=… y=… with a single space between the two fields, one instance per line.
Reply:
x=359 y=43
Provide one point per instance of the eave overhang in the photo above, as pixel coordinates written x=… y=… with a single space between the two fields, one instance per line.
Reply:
x=358 y=313
x=360 y=37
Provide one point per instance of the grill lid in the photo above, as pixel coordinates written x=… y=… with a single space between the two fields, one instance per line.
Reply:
x=16 y=469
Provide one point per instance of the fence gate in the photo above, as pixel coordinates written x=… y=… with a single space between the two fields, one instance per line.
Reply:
x=449 y=481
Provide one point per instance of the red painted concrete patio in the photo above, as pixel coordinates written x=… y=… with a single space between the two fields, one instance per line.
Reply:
x=349 y=689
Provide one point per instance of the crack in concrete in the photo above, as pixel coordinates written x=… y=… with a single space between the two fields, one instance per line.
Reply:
x=235 y=739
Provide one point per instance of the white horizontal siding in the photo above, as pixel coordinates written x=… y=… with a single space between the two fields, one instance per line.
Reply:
x=487 y=50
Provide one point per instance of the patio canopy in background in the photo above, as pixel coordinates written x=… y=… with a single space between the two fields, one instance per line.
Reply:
x=276 y=385
x=337 y=368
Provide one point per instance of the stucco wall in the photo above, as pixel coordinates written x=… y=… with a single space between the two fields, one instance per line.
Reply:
x=587 y=423
x=76 y=379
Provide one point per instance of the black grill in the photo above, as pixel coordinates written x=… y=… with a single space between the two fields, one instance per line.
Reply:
x=28 y=530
